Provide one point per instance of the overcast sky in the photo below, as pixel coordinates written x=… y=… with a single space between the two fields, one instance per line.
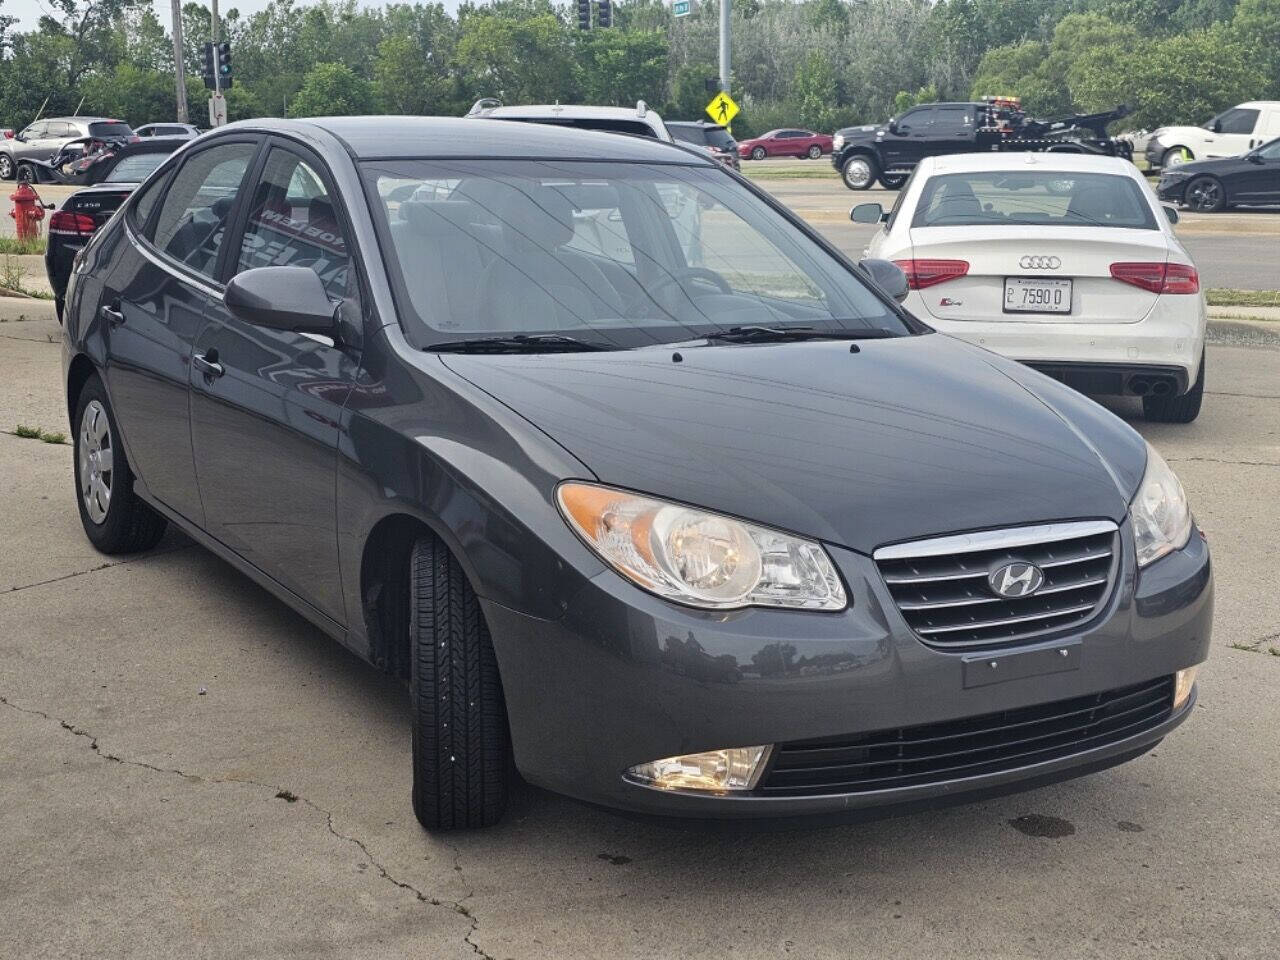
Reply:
x=29 y=11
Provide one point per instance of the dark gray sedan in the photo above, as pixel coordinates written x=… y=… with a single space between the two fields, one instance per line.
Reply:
x=648 y=492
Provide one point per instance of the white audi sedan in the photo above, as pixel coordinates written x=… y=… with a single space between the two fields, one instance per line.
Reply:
x=1065 y=262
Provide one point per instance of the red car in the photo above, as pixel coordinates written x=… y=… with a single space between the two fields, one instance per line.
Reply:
x=786 y=143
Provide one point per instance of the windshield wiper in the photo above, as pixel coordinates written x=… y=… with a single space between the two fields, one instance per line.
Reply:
x=520 y=343
x=758 y=333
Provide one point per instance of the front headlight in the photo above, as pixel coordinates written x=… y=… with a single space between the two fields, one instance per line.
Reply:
x=699 y=558
x=1160 y=514
x=837 y=141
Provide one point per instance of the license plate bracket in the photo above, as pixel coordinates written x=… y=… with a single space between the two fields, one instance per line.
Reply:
x=1036 y=295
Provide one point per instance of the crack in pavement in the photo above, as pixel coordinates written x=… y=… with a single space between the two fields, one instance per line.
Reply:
x=457 y=906
x=102 y=566
x=1247 y=396
x=1232 y=463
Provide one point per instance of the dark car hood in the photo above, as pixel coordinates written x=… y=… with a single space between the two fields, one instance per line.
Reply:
x=909 y=437
x=868 y=131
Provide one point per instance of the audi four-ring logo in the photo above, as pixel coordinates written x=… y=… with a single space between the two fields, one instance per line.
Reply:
x=1039 y=263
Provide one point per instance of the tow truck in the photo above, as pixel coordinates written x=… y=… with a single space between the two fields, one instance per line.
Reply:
x=889 y=152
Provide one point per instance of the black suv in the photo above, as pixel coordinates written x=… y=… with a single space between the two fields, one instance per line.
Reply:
x=712 y=137
x=890 y=151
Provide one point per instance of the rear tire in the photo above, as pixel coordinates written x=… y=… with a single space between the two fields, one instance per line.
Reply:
x=461 y=745
x=859 y=172
x=1205 y=195
x=758 y=153
x=893 y=182
x=114 y=517
x=1182 y=409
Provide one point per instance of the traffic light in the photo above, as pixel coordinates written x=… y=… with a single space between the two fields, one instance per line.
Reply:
x=209 y=60
x=224 y=64
x=584 y=14
x=606 y=13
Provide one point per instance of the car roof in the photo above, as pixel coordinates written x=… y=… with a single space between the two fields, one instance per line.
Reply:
x=698 y=124
x=458 y=137
x=1258 y=104
x=80 y=120
x=1071 y=162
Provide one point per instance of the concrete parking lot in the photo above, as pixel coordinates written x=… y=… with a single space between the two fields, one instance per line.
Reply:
x=190 y=770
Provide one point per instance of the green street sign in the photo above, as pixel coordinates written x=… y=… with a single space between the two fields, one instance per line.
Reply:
x=681 y=8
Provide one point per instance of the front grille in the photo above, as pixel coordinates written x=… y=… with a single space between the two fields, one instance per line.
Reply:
x=941 y=588
x=969 y=747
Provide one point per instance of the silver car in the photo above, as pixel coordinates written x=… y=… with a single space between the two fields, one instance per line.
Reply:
x=43 y=138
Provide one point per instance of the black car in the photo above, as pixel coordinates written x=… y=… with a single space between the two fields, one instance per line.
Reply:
x=1212 y=185
x=82 y=213
x=680 y=515
x=712 y=137
x=889 y=152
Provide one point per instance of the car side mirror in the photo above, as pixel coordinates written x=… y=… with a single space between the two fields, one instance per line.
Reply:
x=893 y=125
x=282 y=298
x=1217 y=126
x=867 y=213
x=886 y=275
x=1255 y=158
x=1171 y=213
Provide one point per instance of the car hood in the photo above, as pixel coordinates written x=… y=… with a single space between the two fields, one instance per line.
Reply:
x=906 y=438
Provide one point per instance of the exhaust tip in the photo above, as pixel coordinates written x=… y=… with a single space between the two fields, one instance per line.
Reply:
x=1139 y=386
x=1161 y=388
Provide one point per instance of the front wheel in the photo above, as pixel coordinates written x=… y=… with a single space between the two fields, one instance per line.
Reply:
x=758 y=153
x=859 y=172
x=114 y=518
x=6 y=167
x=815 y=152
x=26 y=173
x=461 y=745
x=1181 y=409
x=1205 y=195
x=1176 y=157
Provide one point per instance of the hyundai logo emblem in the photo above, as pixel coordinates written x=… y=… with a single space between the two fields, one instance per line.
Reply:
x=1039 y=263
x=1016 y=579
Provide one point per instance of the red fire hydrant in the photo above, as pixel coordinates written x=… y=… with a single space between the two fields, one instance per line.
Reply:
x=27 y=210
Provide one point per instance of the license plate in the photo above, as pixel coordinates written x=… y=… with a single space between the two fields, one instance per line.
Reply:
x=1036 y=296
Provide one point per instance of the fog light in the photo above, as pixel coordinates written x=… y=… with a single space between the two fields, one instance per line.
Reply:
x=716 y=771
x=1183 y=681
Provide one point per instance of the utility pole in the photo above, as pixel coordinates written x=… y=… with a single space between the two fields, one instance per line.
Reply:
x=724 y=44
x=179 y=68
x=217 y=112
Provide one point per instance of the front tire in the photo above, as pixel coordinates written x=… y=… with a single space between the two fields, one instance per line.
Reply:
x=758 y=153
x=1205 y=195
x=1176 y=157
x=859 y=172
x=815 y=152
x=26 y=173
x=6 y=167
x=461 y=745
x=1183 y=409
x=114 y=517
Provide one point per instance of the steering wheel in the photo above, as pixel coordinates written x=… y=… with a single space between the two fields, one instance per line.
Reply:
x=693 y=274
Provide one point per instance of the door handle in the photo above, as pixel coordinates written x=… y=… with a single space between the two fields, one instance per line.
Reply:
x=112 y=313
x=207 y=363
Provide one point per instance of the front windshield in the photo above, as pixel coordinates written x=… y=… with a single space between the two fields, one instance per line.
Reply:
x=621 y=254
x=1023 y=198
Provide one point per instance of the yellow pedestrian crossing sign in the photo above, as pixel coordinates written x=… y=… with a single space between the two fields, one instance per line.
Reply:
x=722 y=109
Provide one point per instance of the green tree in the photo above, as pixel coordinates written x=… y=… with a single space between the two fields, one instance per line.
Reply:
x=518 y=60
x=689 y=96
x=1256 y=28
x=816 y=91
x=332 y=90
x=620 y=68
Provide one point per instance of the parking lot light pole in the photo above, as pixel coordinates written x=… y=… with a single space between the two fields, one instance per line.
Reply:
x=179 y=68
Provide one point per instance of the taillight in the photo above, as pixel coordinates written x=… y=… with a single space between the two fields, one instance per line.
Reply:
x=1158 y=277
x=928 y=273
x=65 y=223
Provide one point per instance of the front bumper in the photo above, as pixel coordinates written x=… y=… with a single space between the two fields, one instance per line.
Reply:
x=624 y=678
x=1169 y=339
x=1155 y=153
x=1171 y=190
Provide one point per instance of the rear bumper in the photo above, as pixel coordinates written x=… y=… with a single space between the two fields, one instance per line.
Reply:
x=1170 y=340
x=624 y=678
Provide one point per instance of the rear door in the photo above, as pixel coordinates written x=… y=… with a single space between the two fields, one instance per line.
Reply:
x=155 y=301
x=952 y=129
x=265 y=430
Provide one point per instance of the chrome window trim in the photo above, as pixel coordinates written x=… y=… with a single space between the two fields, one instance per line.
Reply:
x=167 y=265
x=994 y=539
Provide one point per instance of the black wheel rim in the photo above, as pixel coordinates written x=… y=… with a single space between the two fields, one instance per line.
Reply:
x=1204 y=195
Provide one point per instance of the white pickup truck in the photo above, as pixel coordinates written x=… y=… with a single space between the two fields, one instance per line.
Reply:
x=1230 y=133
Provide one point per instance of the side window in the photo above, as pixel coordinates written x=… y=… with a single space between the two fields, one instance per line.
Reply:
x=193 y=215
x=916 y=121
x=951 y=122
x=293 y=222
x=1239 y=121
x=35 y=131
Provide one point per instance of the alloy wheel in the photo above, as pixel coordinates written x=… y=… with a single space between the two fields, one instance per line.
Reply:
x=96 y=456
x=757 y=153
x=1204 y=195
x=815 y=152
x=6 y=168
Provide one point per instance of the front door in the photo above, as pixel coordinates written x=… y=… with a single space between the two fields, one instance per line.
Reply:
x=154 y=305
x=1234 y=133
x=1259 y=178
x=266 y=405
x=905 y=148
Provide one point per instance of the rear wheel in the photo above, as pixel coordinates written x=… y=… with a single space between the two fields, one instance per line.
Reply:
x=815 y=152
x=1181 y=409
x=859 y=172
x=758 y=153
x=1205 y=195
x=461 y=746
x=893 y=181
x=114 y=518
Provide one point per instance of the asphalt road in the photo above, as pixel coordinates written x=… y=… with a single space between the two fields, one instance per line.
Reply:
x=187 y=769
x=1238 y=249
